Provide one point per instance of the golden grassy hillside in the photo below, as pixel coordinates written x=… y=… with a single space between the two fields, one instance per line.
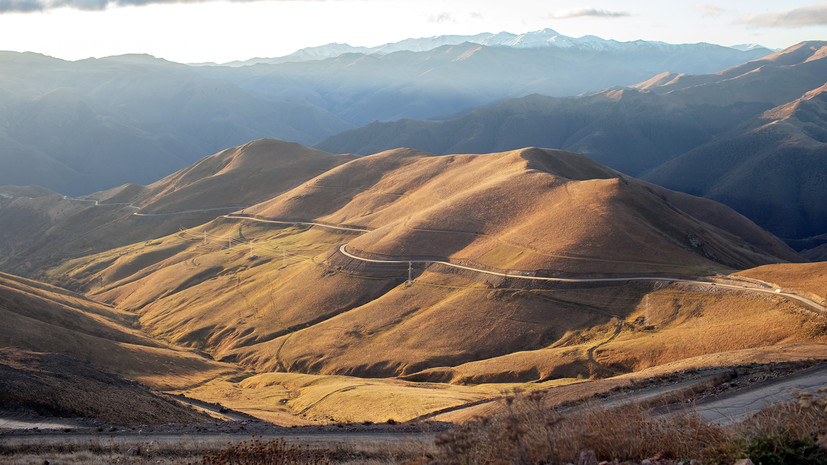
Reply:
x=810 y=278
x=242 y=175
x=531 y=209
x=43 y=230
x=43 y=318
x=281 y=301
x=291 y=303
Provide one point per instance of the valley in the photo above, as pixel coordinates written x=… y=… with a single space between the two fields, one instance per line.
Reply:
x=369 y=283
x=456 y=254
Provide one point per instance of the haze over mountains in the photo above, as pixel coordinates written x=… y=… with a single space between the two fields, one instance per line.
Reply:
x=669 y=130
x=79 y=127
x=546 y=38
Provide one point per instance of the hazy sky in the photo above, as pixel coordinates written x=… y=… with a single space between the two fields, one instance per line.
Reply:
x=223 y=30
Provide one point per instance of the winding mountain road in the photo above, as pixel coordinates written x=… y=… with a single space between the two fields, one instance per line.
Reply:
x=740 y=287
x=768 y=289
x=337 y=227
x=771 y=290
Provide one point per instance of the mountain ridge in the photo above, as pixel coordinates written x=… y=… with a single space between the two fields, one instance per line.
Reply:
x=641 y=128
x=532 y=39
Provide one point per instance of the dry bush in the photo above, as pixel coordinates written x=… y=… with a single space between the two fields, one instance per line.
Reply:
x=526 y=432
x=793 y=432
x=273 y=452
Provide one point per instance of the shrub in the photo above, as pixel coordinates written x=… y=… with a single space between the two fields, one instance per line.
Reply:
x=258 y=452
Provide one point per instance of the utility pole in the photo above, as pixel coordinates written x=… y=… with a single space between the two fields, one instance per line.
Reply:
x=230 y=240
x=410 y=269
x=205 y=237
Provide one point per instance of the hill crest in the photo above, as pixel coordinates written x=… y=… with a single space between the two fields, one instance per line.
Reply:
x=547 y=203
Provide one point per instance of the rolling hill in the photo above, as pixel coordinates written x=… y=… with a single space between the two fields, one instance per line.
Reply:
x=41 y=227
x=57 y=385
x=42 y=318
x=552 y=269
x=283 y=296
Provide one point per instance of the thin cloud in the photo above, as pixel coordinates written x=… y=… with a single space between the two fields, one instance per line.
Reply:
x=809 y=15
x=442 y=18
x=25 y=6
x=20 y=5
x=710 y=11
x=593 y=12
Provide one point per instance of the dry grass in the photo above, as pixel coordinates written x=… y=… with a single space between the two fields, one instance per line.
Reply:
x=526 y=432
x=273 y=452
x=689 y=324
x=811 y=278
x=294 y=398
x=309 y=313
x=257 y=450
x=43 y=318
x=445 y=328
x=57 y=385
x=527 y=209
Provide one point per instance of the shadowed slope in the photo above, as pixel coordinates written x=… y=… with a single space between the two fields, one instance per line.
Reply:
x=771 y=169
x=59 y=385
x=43 y=318
x=92 y=124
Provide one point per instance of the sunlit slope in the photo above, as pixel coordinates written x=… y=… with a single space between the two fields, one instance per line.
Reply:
x=290 y=306
x=282 y=297
x=530 y=209
x=242 y=175
x=42 y=228
x=776 y=78
x=43 y=318
x=218 y=298
x=807 y=278
x=678 y=326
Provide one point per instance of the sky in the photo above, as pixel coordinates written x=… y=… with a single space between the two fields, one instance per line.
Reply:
x=193 y=31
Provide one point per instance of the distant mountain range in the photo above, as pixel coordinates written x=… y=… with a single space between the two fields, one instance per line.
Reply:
x=752 y=136
x=534 y=39
x=450 y=75
x=79 y=127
